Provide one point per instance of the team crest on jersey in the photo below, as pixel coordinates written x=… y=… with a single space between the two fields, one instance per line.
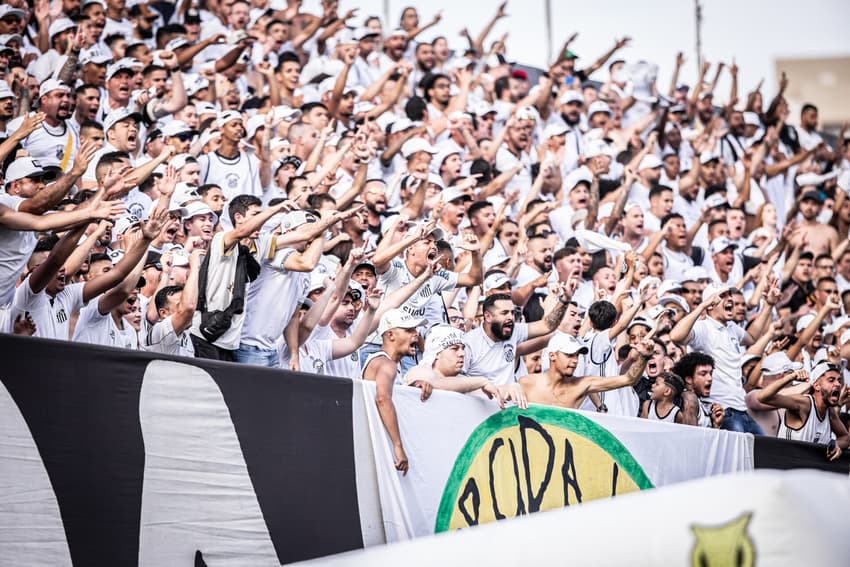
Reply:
x=318 y=366
x=426 y=291
x=509 y=353
x=60 y=153
x=232 y=180
x=61 y=316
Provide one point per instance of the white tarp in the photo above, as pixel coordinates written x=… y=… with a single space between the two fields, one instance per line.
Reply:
x=754 y=519
x=472 y=463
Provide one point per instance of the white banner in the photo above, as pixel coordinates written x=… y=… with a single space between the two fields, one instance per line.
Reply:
x=763 y=518
x=471 y=463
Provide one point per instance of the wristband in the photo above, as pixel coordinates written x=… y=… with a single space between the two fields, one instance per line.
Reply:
x=561 y=299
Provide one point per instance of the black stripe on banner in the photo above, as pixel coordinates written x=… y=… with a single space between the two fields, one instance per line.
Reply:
x=783 y=454
x=81 y=404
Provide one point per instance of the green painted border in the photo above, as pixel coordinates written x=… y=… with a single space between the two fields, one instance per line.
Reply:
x=547 y=415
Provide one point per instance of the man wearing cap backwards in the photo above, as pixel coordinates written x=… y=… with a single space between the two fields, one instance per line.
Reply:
x=442 y=366
x=399 y=339
x=54 y=142
x=812 y=417
x=725 y=343
x=822 y=238
x=559 y=386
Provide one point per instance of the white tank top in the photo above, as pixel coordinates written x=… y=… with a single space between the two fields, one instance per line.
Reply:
x=379 y=354
x=652 y=413
x=815 y=430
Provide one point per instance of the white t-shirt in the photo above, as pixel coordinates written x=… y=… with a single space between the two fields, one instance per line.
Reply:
x=48 y=145
x=272 y=299
x=675 y=263
x=15 y=249
x=50 y=315
x=161 y=338
x=723 y=343
x=493 y=359
x=345 y=367
x=506 y=160
x=96 y=328
x=602 y=361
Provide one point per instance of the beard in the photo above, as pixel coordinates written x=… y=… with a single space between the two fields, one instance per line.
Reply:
x=500 y=332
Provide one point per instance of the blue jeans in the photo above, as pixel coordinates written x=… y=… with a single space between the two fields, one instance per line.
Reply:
x=736 y=420
x=407 y=362
x=250 y=354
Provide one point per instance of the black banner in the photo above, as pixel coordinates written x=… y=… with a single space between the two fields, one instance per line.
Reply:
x=82 y=407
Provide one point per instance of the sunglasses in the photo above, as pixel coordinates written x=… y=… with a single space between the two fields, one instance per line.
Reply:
x=184 y=136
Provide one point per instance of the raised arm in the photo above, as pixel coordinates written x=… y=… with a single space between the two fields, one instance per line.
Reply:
x=595 y=384
x=771 y=395
x=182 y=319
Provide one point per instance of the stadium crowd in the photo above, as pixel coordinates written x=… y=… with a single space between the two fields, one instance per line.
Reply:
x=244 y=181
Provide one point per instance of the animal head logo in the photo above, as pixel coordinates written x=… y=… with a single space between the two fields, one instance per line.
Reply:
x=726 y=545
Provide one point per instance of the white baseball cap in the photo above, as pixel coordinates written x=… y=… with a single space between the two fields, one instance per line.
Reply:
x=416 y=145
x=398 y=319
x=712 y=289
x=497 y=280
x=821 y=369
x=650 y=161
x=439 y=339
x=124 y=223
x=598 y=106
x=51 y=85
x=454 y=193
x=58 y=26
x=568 y=344
x=197 y=208
x=778 y=363
x=227 y=116
x=294 y=219
x=720 y=244
x=571 y=96
x=175 y=128
x=119 y=115
x=27 y=167
x=576 y=176
x=553 y=130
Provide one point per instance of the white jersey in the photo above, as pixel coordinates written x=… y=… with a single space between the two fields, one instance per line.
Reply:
x=235 y=176
x=344 y=367
x=601 y=361
x=50 y=145
x=652 y=413
x=815 y=430
x=97 y=328
x=494 y=359
x=161 y=338
x=51 y=315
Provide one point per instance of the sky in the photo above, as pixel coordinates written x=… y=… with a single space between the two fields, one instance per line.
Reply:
x=754 y=32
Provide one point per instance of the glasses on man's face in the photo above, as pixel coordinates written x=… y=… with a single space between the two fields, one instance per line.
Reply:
x=545 y=233
x=184 y=137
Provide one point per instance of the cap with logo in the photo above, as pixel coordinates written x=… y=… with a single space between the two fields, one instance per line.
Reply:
x=294 y=219
x=439 y=339
x=497 y=280
x=398 y=319
x=27 y=167
x=124 y=223
x=720 y=244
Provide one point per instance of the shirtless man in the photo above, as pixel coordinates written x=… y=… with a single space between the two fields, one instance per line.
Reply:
x=812 y=417
x=559 y=387
x=823 y=238
x=400 y=338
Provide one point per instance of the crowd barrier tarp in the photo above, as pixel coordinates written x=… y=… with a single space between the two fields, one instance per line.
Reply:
x=471 y=463
x=148 y=460
x=112 y=457
x=782 y=454
x=761 y=518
